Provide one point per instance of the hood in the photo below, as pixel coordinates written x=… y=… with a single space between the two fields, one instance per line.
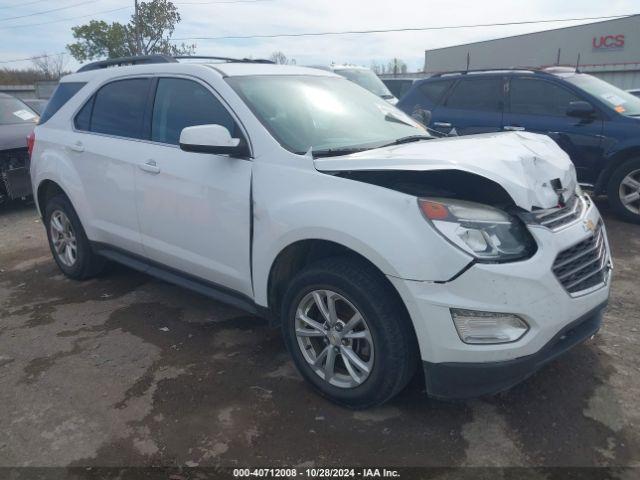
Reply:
x=15 y=136
x=524 y=164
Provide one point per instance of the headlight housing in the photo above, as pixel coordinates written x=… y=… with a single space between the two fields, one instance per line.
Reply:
x=487 y=233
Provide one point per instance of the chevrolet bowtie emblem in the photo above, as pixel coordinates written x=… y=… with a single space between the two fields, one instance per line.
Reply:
x=589 y=225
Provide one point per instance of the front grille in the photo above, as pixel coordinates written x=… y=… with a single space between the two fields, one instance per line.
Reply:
x=14 y=158
x=558 y=217
x=583 y=266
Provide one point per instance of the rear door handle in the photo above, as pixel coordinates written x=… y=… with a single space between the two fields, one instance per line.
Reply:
x=442 y=124
x=150 y=166
x=76 y=147
x=513 y=128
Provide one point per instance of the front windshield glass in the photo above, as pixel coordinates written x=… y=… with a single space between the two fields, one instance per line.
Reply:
x=621 y=101
x=323 y=113
x=13 y=111
x=366 y=79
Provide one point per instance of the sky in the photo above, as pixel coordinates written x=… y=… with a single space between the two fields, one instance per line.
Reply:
x=34 y=34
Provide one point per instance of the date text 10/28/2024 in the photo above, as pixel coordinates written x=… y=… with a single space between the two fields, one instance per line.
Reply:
x=316 y=472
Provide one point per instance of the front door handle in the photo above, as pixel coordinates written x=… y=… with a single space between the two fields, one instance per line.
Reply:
x=76 y=147
x=442 y=124
x=150 y=166
x=513 y=128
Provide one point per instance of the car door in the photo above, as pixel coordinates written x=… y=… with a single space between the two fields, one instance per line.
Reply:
x=474 y=105
x=194 y=208
x=539 y=105
x=105 y=147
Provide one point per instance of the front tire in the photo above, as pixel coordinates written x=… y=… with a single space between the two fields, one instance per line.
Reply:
x=623 y=190
x=68 y=241
x=349 y=333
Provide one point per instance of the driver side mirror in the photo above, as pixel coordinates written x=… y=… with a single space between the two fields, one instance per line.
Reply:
x=421 y=115
x=581 y=109
x=214 y=139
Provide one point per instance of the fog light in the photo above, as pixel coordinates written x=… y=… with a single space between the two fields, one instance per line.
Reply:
x=488 y=327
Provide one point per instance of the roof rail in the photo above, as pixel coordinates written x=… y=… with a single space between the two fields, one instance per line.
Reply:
x=224 y=59
x=118 y=62
x=150 y=59
x=484 y=70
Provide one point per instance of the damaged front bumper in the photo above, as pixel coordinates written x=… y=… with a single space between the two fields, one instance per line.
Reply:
x=460 y=380
x=560 y=307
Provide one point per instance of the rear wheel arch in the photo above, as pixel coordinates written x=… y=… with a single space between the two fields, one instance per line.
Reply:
x=615 y=161
x=45 y=192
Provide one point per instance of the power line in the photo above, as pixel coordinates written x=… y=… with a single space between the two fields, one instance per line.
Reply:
x=65 y=19
x=219 y=2
x=122 y=8
x=350 y=32
x=49 y=11
x=22 y=4
x=391 y=30
x=31 y=58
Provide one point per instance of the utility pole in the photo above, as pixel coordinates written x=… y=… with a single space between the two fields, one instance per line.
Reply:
x=138 y=35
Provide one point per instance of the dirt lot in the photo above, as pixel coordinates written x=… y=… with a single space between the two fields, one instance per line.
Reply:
x=127 y=370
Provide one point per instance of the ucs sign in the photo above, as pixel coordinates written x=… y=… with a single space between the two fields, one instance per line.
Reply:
x=605 y=42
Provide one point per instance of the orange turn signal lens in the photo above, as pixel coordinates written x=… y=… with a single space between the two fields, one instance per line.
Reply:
x=434 y=210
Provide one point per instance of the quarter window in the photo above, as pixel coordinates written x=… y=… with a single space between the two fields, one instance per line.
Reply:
x=478 y=94
x=62 y=95
x=538 y=97
x=183 y=103
x=116 y=109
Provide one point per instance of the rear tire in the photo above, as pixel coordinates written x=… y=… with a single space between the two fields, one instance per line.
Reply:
x=373 y=359
x=623 y=190
x=68 y=241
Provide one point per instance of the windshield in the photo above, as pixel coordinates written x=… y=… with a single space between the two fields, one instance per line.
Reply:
x=621 y=101
x=366 y=79
x=323 y=113
x=13 y=111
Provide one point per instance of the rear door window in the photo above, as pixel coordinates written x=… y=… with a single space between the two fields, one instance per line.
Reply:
x=531 y=96
x=181 y=103
x=116 y=109
x=63 y=93
x=484 y=94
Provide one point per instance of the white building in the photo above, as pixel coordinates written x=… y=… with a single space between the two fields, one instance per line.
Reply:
x=609 y=50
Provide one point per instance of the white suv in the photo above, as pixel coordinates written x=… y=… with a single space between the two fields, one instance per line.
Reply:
x=301 y=197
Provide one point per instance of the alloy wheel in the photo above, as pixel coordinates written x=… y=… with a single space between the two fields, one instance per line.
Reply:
x=630 y=191
x=63 y=238
x=334 y=338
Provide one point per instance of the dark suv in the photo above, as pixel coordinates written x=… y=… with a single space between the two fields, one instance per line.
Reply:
x=596 y=123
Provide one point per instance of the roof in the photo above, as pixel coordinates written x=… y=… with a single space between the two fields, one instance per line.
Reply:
x=240 y=69
x=229 y=69
x=557 y=71
x=539 y=32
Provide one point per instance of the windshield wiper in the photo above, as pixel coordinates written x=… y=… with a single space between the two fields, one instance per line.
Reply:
x=408 y=139
x=336 y=152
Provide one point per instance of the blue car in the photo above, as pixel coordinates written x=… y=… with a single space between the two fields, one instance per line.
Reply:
x=596 y=123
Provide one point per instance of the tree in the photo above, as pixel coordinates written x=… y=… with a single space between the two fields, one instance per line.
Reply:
x=281 y=58
x=50 y=66
x=396 y=66
x=377 y=68
x=148 y=32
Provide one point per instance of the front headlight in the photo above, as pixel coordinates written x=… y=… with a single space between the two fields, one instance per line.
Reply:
x=485 y=232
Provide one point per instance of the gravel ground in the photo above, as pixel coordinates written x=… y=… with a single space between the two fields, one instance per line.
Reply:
x=128 y=370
